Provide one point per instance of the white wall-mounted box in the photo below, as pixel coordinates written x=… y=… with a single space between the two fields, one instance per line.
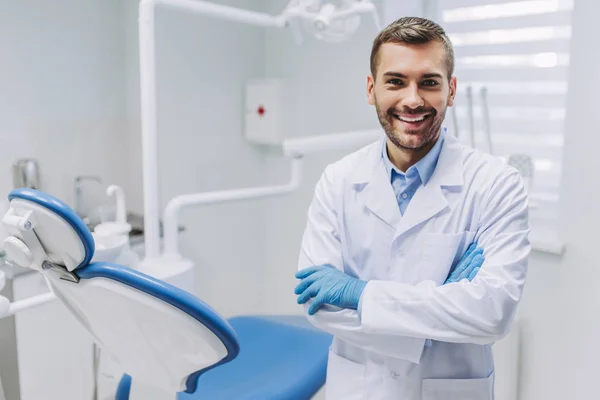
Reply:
x=263 y=111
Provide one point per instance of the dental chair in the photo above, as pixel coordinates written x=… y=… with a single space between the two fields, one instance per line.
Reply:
x=161 y=336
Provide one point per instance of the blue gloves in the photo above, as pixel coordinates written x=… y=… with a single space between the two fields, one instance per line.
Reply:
x=468 y=266
x=328 y=285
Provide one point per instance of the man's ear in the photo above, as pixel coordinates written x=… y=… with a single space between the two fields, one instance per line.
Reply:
x=452 y=93
x=370 y=88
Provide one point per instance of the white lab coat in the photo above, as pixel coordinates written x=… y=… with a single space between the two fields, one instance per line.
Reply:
x=354 y=223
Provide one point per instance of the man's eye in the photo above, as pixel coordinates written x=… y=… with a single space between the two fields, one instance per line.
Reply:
x=395 y=82
x=430 y=82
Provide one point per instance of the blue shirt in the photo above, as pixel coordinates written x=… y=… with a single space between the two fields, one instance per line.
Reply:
x=405 y=184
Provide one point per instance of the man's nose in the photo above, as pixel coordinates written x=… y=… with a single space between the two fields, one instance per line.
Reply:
x=412 y=98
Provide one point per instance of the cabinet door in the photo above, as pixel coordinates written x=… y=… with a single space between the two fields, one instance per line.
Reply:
x=55 y=352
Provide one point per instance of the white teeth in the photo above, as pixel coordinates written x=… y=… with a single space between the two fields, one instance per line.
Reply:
x=419 y=119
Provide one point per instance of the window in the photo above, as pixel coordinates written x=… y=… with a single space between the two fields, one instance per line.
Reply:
x=518 y=51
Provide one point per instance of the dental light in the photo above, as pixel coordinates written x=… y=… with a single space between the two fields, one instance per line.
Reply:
x=328 y=21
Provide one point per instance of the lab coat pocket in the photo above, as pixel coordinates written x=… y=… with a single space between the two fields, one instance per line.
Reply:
x=458 y=389
x=345 y=379
x=441 y=252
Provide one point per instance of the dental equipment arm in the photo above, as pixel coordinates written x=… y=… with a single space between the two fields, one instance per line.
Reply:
x=8 y=309
x=180 y=202
x=148 y=94
x=147 y=44
x=292 y=148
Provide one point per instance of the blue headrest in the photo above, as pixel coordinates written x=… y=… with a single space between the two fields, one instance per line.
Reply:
x=62 y=210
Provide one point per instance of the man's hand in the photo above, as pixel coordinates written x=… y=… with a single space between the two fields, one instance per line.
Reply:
x=328 y=285
x=468 y=266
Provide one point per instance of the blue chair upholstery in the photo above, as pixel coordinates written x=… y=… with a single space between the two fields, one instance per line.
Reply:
x=278 y=359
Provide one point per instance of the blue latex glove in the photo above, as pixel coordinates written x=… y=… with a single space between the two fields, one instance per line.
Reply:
x=328 y=285
x=468 y=266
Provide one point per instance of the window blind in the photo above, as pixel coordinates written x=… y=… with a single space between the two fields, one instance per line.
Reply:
x=518 y=51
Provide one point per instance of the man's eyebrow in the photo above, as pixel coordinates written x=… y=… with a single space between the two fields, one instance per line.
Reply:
x=400 y=75
x=395 y=74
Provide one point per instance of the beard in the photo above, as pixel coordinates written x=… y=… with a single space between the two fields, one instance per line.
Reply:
x=411 y=139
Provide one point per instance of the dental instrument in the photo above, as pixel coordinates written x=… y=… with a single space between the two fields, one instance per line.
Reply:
x=162 y=336
x=487 y=131
x=522 y=162
x=471 y=116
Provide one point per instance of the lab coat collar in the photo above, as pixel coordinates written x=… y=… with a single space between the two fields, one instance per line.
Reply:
x=371 y=180
x=449 y=170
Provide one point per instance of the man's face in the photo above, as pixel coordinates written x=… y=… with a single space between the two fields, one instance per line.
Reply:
x=411 y=93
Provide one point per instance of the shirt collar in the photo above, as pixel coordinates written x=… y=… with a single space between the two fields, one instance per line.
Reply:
x=424 y=166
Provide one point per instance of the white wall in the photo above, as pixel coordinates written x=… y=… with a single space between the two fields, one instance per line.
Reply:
x=563 y=300
x=561 y=304
x=202 y=68
x=62 y=90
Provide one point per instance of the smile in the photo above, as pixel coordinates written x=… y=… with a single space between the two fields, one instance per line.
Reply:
x=413 y=118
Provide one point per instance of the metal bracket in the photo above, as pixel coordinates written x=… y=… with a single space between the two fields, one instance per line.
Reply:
x=61 y=271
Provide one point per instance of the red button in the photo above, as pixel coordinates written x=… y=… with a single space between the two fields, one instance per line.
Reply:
x=261 y=110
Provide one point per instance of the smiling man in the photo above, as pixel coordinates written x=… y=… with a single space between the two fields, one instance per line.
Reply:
x=411 y=85
x=392 y=259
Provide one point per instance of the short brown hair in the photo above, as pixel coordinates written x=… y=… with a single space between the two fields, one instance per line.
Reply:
x=412 y=30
